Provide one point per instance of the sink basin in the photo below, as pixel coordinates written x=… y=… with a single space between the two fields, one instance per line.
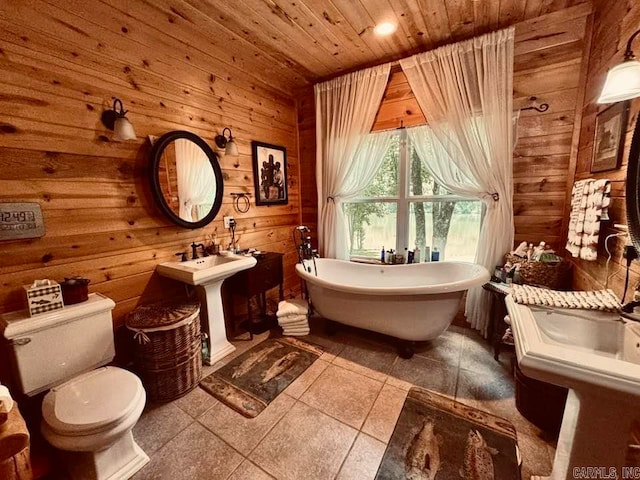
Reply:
x=207 y=274
x=596 y=356
x=201 y=271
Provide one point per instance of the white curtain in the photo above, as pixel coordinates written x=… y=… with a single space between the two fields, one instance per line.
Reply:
x=196 y=180
x=345 y=111
x=465 y=91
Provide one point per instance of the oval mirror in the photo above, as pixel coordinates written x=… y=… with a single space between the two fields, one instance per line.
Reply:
x=633 y=183
x=186 y=179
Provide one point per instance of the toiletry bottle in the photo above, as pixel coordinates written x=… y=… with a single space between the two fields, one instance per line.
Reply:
x=382 y=255
x=416 y=255
x=410 y=258
x=406 y=254
x=427 y=254
x=435 y=255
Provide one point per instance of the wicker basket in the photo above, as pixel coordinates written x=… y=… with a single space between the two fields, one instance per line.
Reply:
x=556 y=276
x=167 y=351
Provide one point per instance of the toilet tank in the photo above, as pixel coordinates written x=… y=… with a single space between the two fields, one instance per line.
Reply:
x=50 y=348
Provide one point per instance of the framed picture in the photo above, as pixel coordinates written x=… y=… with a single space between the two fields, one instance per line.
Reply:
x=608 y=143
x=270 y=173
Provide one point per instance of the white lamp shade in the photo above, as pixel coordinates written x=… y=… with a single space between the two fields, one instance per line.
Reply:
x=231 y=149
x=623 y=83
x=123 y=130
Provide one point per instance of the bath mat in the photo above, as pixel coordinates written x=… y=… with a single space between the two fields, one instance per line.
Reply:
x=437 y=438
x=250 y=382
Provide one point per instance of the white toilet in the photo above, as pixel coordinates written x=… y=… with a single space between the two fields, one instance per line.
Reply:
x=91 y=409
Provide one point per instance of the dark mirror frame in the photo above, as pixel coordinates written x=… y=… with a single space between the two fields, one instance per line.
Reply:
x=633 y=184
x=156 y=155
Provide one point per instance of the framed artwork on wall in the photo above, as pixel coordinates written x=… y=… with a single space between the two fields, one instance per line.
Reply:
x=269 y=173
x=608 y=144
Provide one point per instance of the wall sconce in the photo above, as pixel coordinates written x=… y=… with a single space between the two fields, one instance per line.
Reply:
x=117 y=121
x=623 y=80
x=229 y=145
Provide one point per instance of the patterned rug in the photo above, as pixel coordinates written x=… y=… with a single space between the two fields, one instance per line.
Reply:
x=250 y=382
x=439 y=439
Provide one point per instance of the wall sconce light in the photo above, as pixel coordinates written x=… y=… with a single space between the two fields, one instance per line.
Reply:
x=623 y=80
x=117 y=121
x=229 y=145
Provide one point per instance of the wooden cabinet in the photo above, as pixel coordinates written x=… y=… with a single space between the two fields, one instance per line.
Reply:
x=247 y=284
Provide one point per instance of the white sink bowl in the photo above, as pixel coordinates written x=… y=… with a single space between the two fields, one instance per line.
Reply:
x=201 y=271
x=207 y=274
x=597 y=356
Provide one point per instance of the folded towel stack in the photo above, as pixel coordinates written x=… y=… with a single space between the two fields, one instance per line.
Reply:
x=292 y=317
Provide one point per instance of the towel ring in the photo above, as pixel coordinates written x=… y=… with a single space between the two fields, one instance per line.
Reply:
x=241 y=201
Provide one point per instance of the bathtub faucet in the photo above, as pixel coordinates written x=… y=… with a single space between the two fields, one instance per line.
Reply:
x=303 y=244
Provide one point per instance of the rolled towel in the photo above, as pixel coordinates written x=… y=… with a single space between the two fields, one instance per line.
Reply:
x=294 y=306
x=292 y=319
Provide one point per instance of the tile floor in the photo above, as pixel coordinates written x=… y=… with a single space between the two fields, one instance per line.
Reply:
x=335 y=420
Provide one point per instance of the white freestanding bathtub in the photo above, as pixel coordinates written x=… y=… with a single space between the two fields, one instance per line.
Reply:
x=410 y=302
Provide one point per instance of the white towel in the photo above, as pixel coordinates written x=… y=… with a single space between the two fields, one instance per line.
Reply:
x=292 y=319
x=295 y=327
x=294 y=306
x=297 y=333
x=301 y=323
x=6 y=402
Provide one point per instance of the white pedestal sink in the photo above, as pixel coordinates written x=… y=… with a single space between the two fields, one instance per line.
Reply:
x=595 y=355
x=207 y=274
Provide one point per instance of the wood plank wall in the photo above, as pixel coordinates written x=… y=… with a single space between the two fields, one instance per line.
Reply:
x=61 y=64
x=548 y=60
x=614 y=22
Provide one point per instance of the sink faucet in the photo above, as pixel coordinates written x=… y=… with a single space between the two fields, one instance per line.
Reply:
x=194 y=250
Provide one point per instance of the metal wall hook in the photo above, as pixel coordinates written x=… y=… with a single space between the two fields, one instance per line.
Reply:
x=543 y=107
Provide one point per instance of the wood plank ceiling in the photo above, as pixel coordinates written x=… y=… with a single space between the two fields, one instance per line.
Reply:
x=318 y=39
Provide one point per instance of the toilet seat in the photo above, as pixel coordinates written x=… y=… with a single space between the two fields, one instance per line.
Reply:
x=93 y=402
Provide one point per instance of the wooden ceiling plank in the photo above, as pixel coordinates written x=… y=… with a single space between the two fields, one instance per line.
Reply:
x=343 y=29
x=481 y=17
x=549 y=6
x=187 y=24
x=345 y=52
x=412 y=16
x=437 y=21
x=268 y=21
x=511 y=12
x=461 y=19
x=382 y=11
x=532 y=9
x=361 y=22
x=271 y=40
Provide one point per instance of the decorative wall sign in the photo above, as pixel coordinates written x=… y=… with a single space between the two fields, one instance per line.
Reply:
x=608 y=143
x=270 y=173
x=20 y=220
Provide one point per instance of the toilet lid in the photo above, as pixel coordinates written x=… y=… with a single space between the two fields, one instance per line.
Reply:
x=93 y=401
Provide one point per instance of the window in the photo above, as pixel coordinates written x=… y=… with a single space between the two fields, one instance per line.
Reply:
x=404 y=207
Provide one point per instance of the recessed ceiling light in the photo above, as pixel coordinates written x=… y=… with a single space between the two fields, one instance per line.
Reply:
x=384 y=28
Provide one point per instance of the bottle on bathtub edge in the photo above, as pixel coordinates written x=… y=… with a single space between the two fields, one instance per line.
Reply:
x=435 y=255
x=382 y=255
x=416 y=255
x=427 y=254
